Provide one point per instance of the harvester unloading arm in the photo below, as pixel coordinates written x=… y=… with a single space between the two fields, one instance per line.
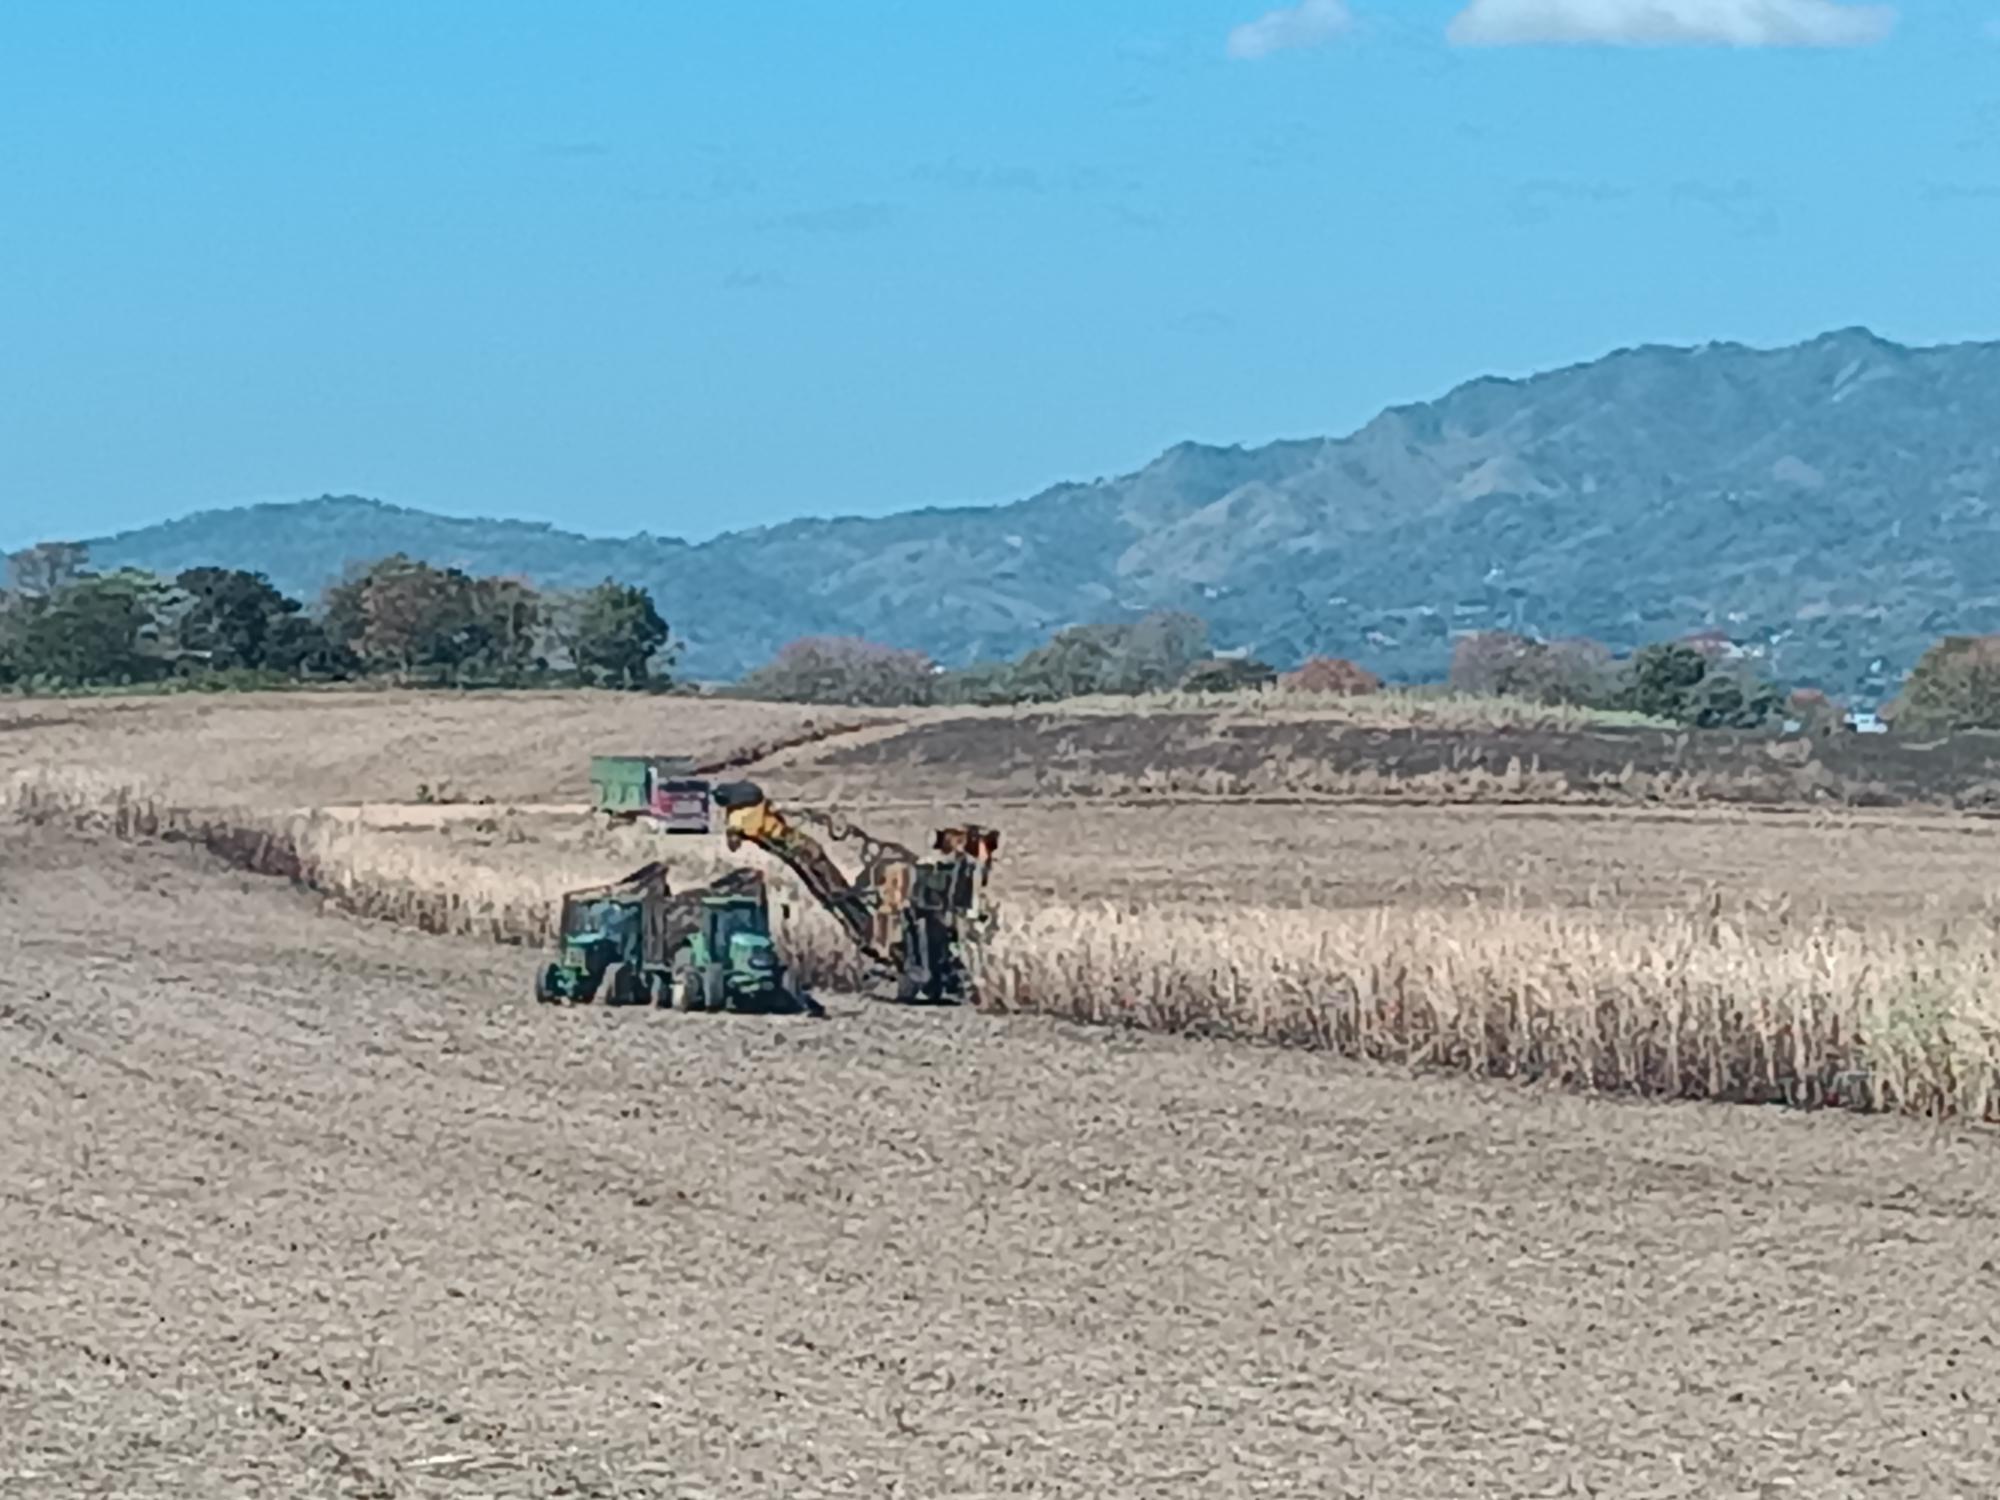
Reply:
x=906 y=913
x=753 y=820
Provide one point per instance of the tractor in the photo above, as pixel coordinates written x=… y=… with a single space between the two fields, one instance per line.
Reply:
x=728 y=961
x=635 y=942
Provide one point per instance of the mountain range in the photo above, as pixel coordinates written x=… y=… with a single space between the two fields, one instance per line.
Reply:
x=1832 y=506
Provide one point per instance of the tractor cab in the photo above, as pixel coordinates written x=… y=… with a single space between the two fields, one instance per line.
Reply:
x=599 y=933
x=729 y=961
x=605 y=939
x=737 y=930
x=607 y=922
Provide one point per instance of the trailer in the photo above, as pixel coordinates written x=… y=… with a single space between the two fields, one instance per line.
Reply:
x=636 y=941
x=662 y=791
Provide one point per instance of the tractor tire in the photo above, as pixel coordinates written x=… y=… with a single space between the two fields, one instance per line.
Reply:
x=545 y=985
x=715 y=987
x=686 y=986
x=617 y=985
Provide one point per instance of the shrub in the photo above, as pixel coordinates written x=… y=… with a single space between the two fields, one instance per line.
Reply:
x=1498 y=663
x=1331 y=676
x=1956 y=685
x=844 y=669
x=1228 y=675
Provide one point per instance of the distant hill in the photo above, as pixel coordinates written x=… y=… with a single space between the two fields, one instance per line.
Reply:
x=1835 y=504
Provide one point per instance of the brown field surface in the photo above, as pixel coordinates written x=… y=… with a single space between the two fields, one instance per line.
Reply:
x=1396 y=750
x=310 y=749
x=294 y=1204
x=1666 y=945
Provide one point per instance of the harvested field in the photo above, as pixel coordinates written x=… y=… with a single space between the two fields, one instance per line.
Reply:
x=299 y=1205
x=1829 y=956
x=307 y=749
x=311 y=749
x=1233 y=753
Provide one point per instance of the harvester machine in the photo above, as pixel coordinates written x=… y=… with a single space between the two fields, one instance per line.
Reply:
x=918 y=918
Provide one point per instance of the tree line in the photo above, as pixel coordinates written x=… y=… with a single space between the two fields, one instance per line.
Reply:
x=1954 y=686
x=1693 y=683
x=1159 y=652
x=64 y=625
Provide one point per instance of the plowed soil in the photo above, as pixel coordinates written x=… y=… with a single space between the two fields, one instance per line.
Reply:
x=293 y=1205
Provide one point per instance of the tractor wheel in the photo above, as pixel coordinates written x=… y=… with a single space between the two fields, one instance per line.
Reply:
x=545 y=985
x=715 y=987
x=617 y=985
x=686 y=985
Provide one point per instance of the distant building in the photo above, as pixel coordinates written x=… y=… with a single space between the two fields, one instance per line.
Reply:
x=1713 y=644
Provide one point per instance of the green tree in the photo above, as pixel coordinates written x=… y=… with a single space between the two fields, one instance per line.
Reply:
x=93 y=630
x=507 y=626
x=1676 y=681
x=1576 y=671
x=13 y=620
x=844 y=669
x=1733 y=699
x=1661 y=679
x=1955 y=685
x=1148 y=655
x=1073 y=663
x=616 y=635
x=984 y=684
x=237 y=620
x=410 y=619
x=1155 y=652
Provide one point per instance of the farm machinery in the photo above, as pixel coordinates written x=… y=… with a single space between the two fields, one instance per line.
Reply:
x=635 y=942
x=918 y=919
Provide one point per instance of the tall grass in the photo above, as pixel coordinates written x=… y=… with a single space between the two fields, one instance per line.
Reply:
x=1688 y=1005
x=1699 y=1004
x=423 y=885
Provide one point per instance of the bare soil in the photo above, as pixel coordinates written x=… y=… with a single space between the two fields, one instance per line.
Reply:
x=295 y=1205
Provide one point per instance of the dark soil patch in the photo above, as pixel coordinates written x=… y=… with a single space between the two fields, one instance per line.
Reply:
x=33 y=721
x=1207 y=753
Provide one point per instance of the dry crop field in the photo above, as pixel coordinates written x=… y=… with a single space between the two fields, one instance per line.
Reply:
x=301 y=1193
x=1674 y=948
x=314 y=749
x=295 y=1204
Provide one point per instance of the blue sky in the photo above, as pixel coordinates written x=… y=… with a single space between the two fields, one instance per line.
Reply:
x=688 y=267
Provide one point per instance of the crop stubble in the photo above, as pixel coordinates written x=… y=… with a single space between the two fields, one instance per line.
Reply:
x=295 y=1204
x=1812 y=957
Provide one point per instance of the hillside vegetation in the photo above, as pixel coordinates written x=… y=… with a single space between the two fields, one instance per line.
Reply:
x=1833 y=503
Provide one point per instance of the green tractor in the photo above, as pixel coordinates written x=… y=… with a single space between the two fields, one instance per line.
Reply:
x=728 y=961
x=634 y=942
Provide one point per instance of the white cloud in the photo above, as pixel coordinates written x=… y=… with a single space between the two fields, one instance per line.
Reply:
x=1670 y=23
x=1307 y=24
